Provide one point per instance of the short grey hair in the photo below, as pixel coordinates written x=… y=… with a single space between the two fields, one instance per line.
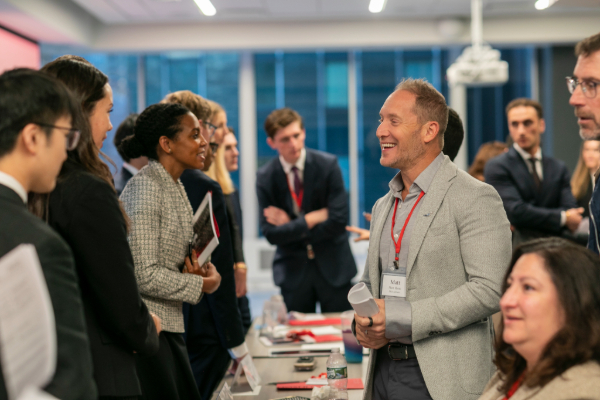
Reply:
x=430 y=105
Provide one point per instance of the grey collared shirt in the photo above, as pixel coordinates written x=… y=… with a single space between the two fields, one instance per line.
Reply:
x=398 y=322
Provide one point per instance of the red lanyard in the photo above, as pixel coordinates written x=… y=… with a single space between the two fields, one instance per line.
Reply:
x=398 y=244
x=514 y=388
x=297 y=199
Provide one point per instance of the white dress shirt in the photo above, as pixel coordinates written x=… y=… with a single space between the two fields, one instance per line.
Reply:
x=11 y=183
x=287 y=168
x=130 y=168
x=539 y=169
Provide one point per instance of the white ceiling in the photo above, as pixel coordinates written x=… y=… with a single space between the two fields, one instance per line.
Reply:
x=169 y=11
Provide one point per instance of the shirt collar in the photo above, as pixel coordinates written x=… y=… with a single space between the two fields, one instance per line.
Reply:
x=130 y=168
x=287 y=167
x=11 y=183
x=422 y=182
x=525 y=155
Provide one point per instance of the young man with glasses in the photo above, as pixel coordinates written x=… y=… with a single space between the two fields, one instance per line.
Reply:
x=584 y=89
x=35 y=133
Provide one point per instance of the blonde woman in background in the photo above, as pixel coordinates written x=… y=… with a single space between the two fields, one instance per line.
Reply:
x=582 y=182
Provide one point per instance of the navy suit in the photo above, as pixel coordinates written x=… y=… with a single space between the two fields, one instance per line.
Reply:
x=593 y=242
x=214 y=325
x=121 y=179
x=532 y=213
x=333 y=267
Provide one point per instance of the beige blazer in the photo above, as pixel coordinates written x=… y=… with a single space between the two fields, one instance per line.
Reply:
x=581 y=382
x=460 y=248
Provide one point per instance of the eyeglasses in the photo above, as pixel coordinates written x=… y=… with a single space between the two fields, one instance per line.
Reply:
x=71 y=139
x=214 y=147
x=211 y=128
x=587 y=87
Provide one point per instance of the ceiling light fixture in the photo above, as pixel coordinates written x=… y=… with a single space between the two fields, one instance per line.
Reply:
x=543 y=4
x=376 y=6
x=206 y=7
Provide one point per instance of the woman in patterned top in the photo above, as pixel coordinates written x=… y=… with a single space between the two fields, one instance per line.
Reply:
x=161 y=228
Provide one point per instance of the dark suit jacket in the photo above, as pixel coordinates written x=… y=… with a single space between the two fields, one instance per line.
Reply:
x=215 y=320
x=533 y=213
x=85 y=211
x=323 y=187
x=121 y=179
x=584 y=200
x=73 y=377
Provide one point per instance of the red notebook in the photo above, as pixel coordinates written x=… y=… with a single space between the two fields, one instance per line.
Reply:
x=353 y=383
x=326 y=321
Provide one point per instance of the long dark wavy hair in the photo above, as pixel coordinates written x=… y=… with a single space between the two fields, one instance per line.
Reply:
x=575 y=272
x=87 y=84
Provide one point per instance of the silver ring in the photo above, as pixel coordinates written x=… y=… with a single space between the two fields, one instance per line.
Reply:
x=366 y=332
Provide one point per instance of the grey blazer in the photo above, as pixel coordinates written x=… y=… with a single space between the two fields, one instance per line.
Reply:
x=161 y=227
x=460 y=248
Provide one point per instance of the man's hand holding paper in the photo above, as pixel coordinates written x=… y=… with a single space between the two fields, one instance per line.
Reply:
x=372 y=337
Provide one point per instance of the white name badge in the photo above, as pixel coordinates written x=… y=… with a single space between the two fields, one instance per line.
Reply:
x=393 y=285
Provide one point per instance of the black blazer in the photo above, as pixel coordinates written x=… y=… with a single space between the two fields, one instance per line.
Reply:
x=73 y=378
x=528 y=210
x=121 y=179
x=584 y=200
x=85 y=211
x=215 y=320
x=323 y=187
x=232 y=203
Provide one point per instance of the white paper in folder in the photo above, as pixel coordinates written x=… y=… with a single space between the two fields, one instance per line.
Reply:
x=362 y=301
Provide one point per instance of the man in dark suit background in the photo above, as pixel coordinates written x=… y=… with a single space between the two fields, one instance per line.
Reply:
x=535 y=189
x=130 y=166
x=304 y=211
x=35 y=131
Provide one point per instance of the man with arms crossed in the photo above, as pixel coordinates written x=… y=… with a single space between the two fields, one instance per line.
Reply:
x=437 y=279
x=584 y=86
x=35 y=132
x=304 y=211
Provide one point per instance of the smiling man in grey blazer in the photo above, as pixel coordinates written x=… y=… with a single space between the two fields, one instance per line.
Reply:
x=437 y=279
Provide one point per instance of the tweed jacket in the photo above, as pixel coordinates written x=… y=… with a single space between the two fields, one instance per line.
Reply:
x=460 y=247
x=161 y=228
x=581 y=382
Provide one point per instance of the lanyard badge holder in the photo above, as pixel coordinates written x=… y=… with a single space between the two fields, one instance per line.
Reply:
x=394 y=284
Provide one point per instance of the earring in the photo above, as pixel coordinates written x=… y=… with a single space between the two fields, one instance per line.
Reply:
x=169 y=151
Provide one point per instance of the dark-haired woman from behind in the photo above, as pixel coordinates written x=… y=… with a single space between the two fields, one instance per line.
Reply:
x=549 y=347
x=85 y=211
x=161 y=229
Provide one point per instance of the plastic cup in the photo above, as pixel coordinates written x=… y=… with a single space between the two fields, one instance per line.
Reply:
x=354 y=351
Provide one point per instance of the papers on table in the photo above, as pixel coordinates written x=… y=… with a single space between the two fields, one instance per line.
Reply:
x=27 y=330
x=362 y=301
x=206 y=236
x=298 y=316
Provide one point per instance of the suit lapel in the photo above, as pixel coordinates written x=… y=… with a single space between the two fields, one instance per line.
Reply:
x=308 y=181
x=523 y=177
x=431 y=203
x=281 y=188
x=377 y=231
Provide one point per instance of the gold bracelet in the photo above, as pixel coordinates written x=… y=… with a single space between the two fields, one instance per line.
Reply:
x=239 y=265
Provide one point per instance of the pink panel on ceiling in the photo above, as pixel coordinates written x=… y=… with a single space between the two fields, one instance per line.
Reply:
x=17 y=52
